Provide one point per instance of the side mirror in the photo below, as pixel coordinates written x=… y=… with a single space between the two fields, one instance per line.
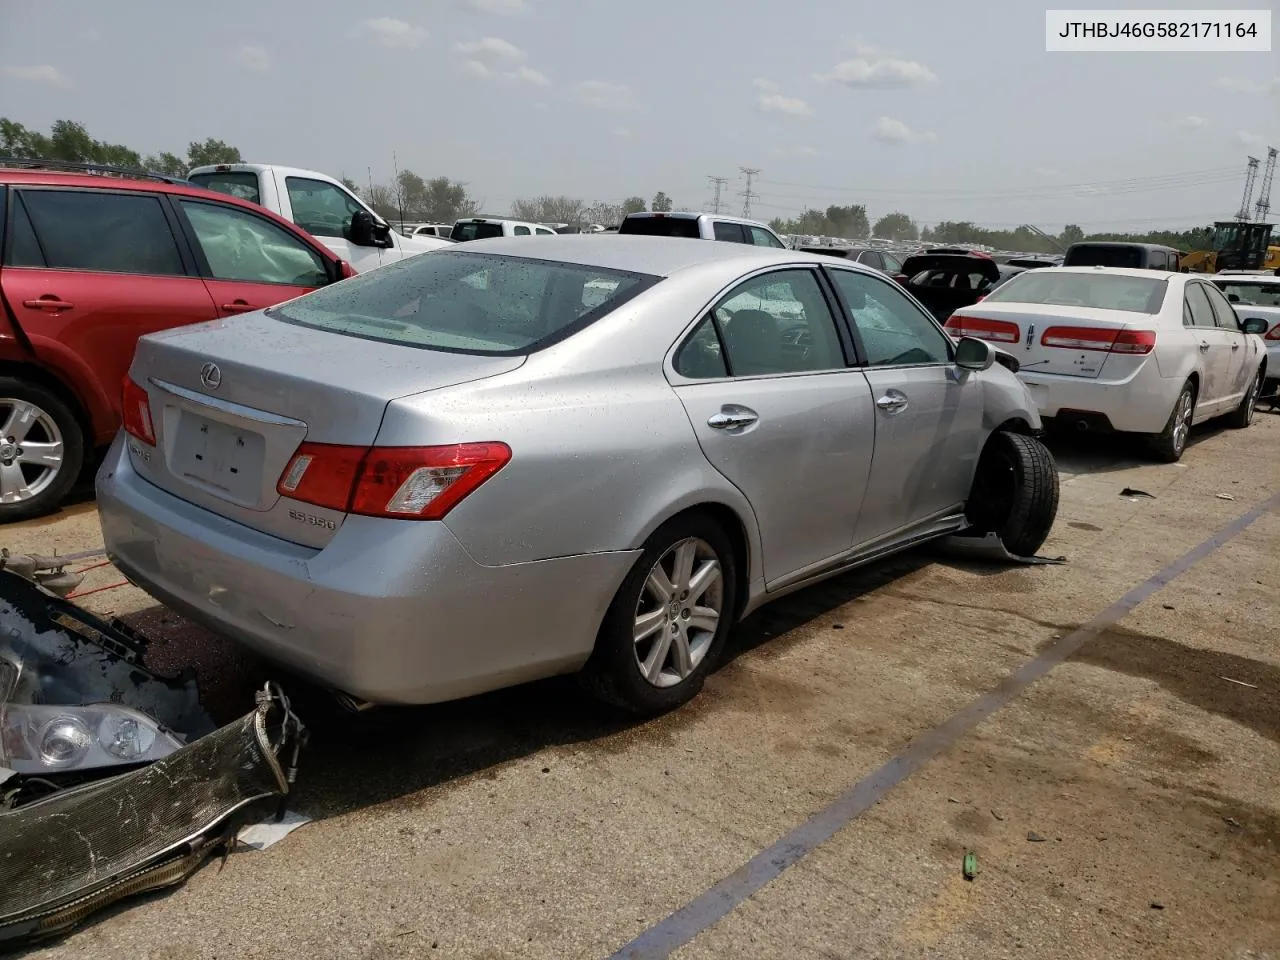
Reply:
x=365 y=231
x=974 y=354
x=361 y=230
x=1256 y=325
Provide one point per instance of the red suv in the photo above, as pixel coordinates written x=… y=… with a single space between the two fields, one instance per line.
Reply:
x=90 y=262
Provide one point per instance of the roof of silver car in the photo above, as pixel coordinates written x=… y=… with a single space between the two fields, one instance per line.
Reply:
x=657 y=256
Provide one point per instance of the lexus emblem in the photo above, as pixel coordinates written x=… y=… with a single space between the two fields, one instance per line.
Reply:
x=211 y=376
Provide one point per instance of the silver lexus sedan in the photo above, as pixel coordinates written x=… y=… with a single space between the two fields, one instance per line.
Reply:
x=593 y=454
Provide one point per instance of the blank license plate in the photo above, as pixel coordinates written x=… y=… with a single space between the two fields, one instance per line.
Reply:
x=221 y=456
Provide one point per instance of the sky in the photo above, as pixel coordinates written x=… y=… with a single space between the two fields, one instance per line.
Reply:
x=945 y=111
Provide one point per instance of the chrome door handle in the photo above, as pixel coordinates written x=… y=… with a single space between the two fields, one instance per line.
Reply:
x=728 y=421
x=1235 y=346
x=1203 y=346
x=891 y=403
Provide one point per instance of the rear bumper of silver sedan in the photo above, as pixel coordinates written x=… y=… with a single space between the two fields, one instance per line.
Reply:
x=390 y=611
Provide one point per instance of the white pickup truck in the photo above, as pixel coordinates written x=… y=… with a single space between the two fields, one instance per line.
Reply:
x=320 y=205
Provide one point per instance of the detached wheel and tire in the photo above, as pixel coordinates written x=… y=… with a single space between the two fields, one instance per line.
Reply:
x=1015 y=492
x=41 y=450
x=667 y=624
x=1242 y=416
x=1169 y=444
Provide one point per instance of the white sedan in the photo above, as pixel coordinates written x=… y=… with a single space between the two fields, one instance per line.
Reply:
x=1136 y=351
x=1258 y=295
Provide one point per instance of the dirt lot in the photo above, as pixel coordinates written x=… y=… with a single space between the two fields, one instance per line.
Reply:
x=1125 y=804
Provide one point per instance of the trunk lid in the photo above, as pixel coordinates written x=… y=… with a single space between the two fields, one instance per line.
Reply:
x=1078 y=340
x=231 y=401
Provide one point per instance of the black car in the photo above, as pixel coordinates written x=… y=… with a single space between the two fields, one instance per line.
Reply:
x=945 y=282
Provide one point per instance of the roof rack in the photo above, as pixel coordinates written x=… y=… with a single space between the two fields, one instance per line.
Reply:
x=38 y=163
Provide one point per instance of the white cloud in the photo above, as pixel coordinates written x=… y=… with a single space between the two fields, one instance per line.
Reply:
x=475 y=68
x=503 y=8
x=494 y=48
x=882 y=73
x=1247 y=85
x=895 y=132
x=606 y=96
x=768 y=86
x=1190 y=122
x=777 y=103
x=623 y=133
x=394 y=33
x=530 y=76
x=253 y=58
x=1247 y=139
x=41 y=73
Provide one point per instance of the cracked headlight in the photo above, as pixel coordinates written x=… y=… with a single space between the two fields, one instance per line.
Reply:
x=40 y=738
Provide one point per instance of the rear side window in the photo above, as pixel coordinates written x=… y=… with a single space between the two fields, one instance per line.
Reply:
x=468 y=302
x=522 y=231
x=661 y=226
x=242 y=185
x=321 y=209
x=475 y=231
x=1201 y=311
x=732 y=232
x=1131 y=257
x=1098 y=291
x=24 y=249
x=1223 y=312
x=100 y=231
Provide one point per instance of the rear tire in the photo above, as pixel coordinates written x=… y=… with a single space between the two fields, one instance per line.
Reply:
x=1242 y=416
x=1015 y=492
x=1169 y=444
x=679 y=643
x=32 y=415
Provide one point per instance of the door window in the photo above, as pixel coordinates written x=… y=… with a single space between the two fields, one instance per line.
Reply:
x=241 y=246
x=893 y=330
x=522 y=231
x=322 y=209
x=1198 y=302
x=763 y=238
x=1223 y=312
x=95 y=230
x=778 y=323
x=732 y=232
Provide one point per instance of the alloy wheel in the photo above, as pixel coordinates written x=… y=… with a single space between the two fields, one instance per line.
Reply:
x=678 y=612
x=31 y=450
x=1182 y=421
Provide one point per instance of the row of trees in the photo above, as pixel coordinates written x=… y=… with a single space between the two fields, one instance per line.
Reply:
x=852 y=222
x=442 y=200
x=70 y=142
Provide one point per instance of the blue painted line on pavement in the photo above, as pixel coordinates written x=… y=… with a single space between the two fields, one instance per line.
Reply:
x=721 y=899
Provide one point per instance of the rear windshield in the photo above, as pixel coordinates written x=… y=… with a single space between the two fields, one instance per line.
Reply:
x=1098 y=291
x=661 y=226
x=242 y=185
x=475 y=231
x=467 y=302
x=1251 y=294
x=1133 y=257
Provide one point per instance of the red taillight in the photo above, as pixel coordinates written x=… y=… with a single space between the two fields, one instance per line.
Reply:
x=135 y=411
x=1273 y=333
x=412 y=483
x=1102 y=339
x=999 y=330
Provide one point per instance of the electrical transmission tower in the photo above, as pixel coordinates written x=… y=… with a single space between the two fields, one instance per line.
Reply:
x=719 y=185
x=1263 y=206
x=747 y=194
x=1250 y=176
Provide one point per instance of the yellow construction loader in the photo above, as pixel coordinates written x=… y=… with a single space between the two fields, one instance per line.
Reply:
x=1237 y=245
